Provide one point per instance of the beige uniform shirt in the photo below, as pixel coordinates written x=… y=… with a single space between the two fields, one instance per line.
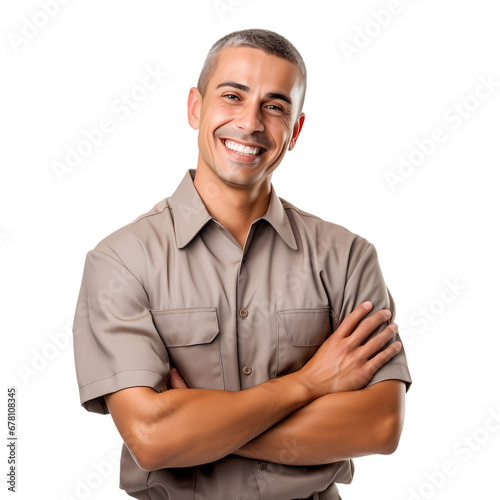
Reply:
x=174 y=288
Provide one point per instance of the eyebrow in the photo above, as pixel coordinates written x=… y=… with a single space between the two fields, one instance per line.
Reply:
x=245 y=88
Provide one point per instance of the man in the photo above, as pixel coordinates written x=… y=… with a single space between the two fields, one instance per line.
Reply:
x=205 y=326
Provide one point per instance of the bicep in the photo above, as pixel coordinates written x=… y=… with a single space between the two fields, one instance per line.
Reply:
x=387 y=396
x=133 y=412
x=386 y=401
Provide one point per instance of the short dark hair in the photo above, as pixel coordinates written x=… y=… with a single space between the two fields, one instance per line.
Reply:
x=270 y=42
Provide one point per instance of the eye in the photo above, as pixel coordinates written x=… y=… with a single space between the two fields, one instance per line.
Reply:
x=274 y=107
x=232 y=97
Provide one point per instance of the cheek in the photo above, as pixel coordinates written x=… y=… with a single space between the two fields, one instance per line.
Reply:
x=206 y=132
x=280 y=134
x=214 y=120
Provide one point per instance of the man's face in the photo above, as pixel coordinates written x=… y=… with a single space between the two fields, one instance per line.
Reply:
x=248 y=117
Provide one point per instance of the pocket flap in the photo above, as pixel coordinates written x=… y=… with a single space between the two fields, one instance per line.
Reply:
x=186 y=326
x=306 y=327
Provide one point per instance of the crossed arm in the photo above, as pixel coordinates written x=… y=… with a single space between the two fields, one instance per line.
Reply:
x=331 y=428
x=316 y=415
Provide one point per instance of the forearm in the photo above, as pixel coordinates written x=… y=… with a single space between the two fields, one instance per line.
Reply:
x=197 y=426
x=334 y=427
x=185 y=427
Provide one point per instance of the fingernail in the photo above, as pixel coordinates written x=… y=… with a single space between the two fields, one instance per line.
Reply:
x=367 y=304
x=388 y=313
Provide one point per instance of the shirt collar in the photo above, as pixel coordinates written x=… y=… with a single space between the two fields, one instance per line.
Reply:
x=277 y=217
x=191 y=215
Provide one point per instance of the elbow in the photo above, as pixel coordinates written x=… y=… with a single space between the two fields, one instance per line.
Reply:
x=389 y=446
x=147 y=455
x=152 y=450
x=390 y=434
x=150 y=458
x=148 y=449
x=145 y=462
x=139 y=443
x=143 y=417
x=148 y=463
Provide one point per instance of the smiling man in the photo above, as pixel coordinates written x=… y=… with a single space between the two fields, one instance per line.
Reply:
x=205 y=326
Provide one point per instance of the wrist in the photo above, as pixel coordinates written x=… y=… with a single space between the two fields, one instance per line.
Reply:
x=306 y=389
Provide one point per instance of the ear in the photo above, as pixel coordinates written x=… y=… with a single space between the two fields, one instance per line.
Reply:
x=296 y=131
x=194 y=107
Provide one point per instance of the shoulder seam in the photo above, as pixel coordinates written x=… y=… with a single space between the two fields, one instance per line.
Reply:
x=146 y=215
x=305 y=214
x=290 y=206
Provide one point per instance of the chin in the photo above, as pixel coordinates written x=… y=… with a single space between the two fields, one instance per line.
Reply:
x=238 y=176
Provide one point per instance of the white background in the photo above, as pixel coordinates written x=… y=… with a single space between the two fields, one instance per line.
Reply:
x=436 y=232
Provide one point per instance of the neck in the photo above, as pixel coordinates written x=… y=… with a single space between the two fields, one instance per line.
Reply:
x=234 y=207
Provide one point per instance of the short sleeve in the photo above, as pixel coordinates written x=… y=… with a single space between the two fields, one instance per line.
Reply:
x=116 y=344
x=365 y=282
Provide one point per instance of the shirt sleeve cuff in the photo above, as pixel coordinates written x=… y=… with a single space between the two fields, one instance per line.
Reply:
x=392 y=372
x=91 y=395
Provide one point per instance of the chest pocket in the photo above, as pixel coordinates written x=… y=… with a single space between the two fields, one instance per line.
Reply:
x=300 y=333
x=191 y=337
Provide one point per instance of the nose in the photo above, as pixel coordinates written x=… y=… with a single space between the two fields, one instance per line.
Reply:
x=250 y=119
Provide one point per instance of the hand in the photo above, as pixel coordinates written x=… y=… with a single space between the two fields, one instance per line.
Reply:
x=173 y=381
x=343 y=362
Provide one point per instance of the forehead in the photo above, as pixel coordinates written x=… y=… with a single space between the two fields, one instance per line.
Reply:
x=257 y=70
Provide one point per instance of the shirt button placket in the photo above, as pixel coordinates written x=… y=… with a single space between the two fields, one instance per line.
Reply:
x=247 y=369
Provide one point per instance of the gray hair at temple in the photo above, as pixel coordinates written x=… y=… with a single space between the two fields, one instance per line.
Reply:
x=270 y=42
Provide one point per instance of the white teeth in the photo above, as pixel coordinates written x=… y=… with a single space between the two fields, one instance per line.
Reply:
x=240 y=148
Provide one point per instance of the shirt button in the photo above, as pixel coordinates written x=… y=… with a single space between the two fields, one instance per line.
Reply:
x=244 y=259
x=243 y=313
x=262 y=465
x=247 y=370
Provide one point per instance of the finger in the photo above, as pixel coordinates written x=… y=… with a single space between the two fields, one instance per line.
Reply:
x=352 y=319
x=369 y=326
x=379 y=341
x=176 y=381
x=383 y=357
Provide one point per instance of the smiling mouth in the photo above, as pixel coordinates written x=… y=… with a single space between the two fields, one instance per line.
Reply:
x=242 y=149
